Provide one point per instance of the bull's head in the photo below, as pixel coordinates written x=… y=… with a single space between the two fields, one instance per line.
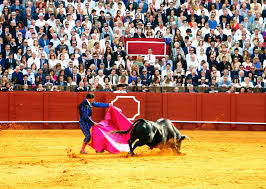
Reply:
x=178 y=145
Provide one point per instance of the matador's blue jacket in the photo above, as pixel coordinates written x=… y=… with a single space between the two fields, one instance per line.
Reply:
x=85 y=110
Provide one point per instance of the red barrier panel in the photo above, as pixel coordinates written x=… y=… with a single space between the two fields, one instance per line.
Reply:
x=29 y=106
x=182 y=106
x=154 y=106
x=63 y=106
x=4 y=106
x=250 y=108
x=215 y=110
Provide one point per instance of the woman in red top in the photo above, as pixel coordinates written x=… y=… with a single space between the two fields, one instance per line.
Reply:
x=118 y=16
x=234 y=24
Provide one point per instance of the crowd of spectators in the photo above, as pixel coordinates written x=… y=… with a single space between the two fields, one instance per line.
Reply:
x=213 y=43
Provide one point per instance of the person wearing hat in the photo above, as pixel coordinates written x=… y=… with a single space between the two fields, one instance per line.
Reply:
x=40 y=22
x=14 y=19
x=87 y=23
x=85 y=121
x=61 y=46
x=120 y=88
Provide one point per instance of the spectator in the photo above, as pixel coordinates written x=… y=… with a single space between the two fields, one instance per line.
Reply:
x=246 y=83
x=212 y=89
x=61 y=81
x=231 y=89
x=46 y=38
x=17 y=76
x=150 y=57
x=225 y=82
x=120 y=89
x=80 y=88
x=190 y=89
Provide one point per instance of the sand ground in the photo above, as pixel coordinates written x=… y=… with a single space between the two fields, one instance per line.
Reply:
x=212 y=159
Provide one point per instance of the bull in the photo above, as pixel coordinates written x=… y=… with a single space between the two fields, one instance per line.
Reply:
x=152 y=134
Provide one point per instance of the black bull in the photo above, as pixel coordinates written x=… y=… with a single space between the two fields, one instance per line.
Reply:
x=152 y=133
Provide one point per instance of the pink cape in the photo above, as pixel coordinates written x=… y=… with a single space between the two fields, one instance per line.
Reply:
x=103 y=139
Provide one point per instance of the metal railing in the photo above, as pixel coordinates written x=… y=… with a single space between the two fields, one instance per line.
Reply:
x=155 y=89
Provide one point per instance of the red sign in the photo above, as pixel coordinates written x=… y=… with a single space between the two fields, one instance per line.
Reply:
x=140 y=46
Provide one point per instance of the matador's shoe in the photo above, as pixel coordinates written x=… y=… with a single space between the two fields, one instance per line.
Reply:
x=83 y=152
x=100 y=151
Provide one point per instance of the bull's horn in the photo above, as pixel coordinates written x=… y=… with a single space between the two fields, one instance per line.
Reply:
x=187 y=137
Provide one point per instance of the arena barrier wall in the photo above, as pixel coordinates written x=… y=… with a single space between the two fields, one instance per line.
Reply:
x=58 y=110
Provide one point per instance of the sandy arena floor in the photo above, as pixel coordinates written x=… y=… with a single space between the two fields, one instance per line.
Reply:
x=212 y=159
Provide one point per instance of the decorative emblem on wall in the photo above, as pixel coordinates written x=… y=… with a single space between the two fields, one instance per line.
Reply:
x=129 y=97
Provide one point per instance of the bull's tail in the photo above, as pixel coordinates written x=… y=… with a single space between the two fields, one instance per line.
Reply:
x=127 y=131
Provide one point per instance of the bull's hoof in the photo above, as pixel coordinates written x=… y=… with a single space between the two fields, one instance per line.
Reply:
x=131 y=153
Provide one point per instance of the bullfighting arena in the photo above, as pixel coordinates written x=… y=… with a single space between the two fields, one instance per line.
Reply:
x=212 y=159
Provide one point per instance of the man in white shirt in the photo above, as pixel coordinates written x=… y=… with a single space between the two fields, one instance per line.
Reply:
x=240 y=31
x=32 y=60
x=167 y=70
x=40 y=22
x=30 y=40
x=92 y=3
x=160 y=28
x=87 y=22
x=102 y=41
x=193 y=62
x=55 y=40
x=246 y=83
x=52 y=21
x=150 y=57
x=195 y=42
x=191 y=52
x=258 y=35
x=101 y=76
x=70 y=20
x=31 y=77
x=183 y=28
x=224 y=10
x=99 y=8
x=120 y=7
x=201 y=8
x=206 y=29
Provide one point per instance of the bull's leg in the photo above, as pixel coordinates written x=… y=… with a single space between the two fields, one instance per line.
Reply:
x=130 y=142
x=138 y=143
x=130 y=146
x=151 y=146
x=175 y=144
